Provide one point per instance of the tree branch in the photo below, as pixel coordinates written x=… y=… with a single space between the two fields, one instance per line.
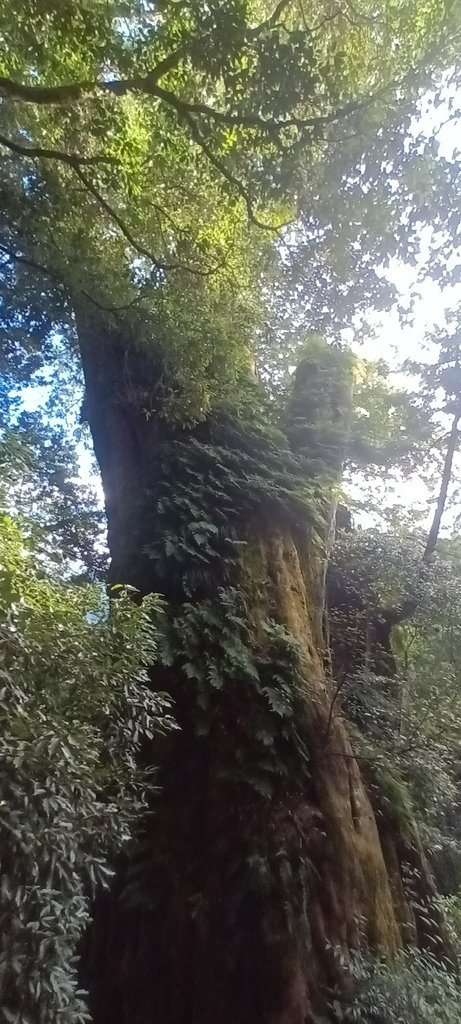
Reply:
x=75 y=161
x=126 y=232
x=39 y=94
x=76 y=92
x=147 y=85
x=49 y=272
x=221 y=167
x=395 y=615
x=37 y=152
x=91 y=188
x=34 y=264
x=271 y=22
x=339 y=686
x=269 y=126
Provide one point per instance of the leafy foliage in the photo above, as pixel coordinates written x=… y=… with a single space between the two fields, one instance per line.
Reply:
x=407 y=720
x=250 y=690
x=74 y=707
x=209 y=486
x=413 y=988
x=208 y=491
x=42 y=487
x=135 y=162
x=187 y=178
x=319 y=407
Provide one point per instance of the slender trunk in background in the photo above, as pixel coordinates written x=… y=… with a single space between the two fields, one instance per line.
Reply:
x=452 y=445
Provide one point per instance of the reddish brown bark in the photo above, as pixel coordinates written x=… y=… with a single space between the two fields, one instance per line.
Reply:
x=240 y=903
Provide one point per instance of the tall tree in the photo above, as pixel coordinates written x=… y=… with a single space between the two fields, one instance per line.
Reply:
x=152 y=151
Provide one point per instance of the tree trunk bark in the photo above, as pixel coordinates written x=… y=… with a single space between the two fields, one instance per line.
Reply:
x=263 y=860
x=452 y=444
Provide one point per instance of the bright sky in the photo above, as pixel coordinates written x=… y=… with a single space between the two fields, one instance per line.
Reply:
x=396 y=342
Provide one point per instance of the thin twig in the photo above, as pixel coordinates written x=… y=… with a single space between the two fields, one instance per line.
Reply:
x=339 y=687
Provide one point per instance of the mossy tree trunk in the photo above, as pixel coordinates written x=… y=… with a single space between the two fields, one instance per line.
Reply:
x=263 y=858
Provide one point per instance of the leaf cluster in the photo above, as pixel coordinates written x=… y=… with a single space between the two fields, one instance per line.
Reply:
x=74 y=706
x=249 y=692
x=412 y=988
x=211 y=486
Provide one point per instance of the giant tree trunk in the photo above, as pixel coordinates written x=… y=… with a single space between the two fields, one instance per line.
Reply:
x=263 y=860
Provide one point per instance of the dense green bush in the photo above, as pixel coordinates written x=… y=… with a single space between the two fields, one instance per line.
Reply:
x=413 y=989
x=74 y=706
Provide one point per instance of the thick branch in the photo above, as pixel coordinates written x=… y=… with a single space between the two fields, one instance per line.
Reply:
x=26 y=261
x=272 y=21
x=270 y=126
x=39 y=94
x=38 y=152
x=77 y=92
x=147 y=85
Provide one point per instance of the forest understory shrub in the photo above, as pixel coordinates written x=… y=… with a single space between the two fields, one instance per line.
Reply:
x=411 y=989
x=74 y=707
